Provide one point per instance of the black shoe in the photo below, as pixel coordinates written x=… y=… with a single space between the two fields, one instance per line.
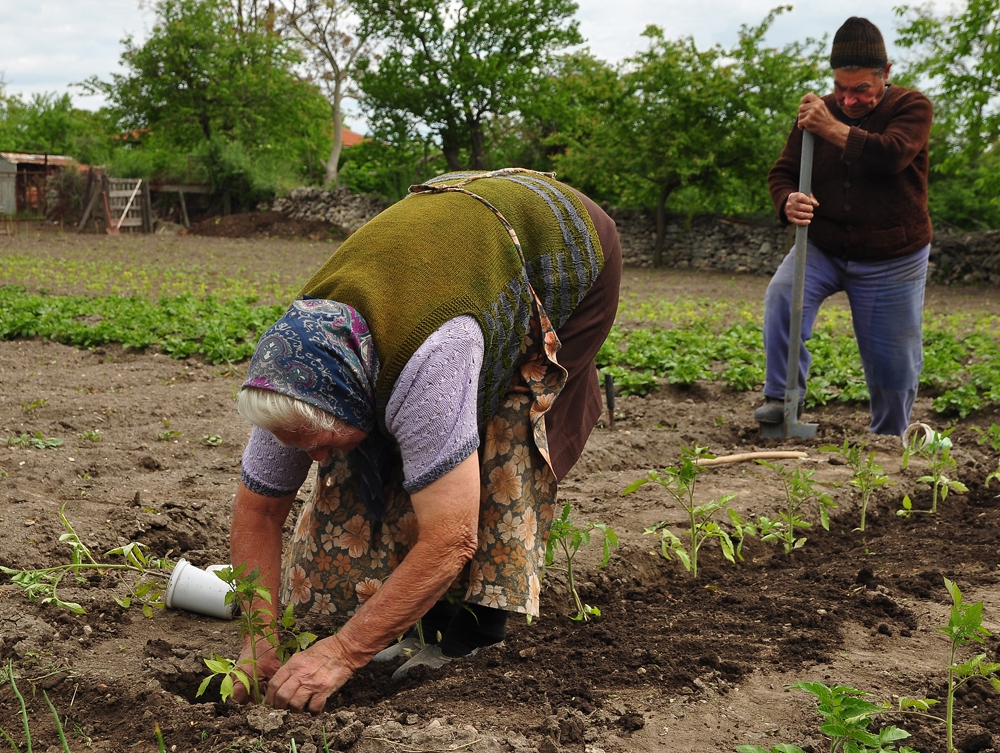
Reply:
x=773 y=411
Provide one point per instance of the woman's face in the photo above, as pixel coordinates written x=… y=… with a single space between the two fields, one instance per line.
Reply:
x=319 y=444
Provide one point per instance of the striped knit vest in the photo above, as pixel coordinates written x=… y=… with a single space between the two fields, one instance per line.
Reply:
x=465 y=243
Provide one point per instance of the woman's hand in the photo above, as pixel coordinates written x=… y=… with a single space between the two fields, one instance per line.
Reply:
x=267 y=665
x=309 y=678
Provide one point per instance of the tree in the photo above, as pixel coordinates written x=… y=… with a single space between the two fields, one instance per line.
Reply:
x=958 y=54
x=329 y=31
x=451 y=68
x=48 y=123
x=210 y=69
x=707 y=124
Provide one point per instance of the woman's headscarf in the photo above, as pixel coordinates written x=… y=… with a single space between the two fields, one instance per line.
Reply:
x=321 y=352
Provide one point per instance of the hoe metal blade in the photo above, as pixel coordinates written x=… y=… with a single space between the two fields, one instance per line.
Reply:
x=791 y=427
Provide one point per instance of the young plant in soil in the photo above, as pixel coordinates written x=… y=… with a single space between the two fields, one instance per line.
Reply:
x=7 y=675
x=569 y=537
x=43 y=583
x=255 y=623
x=847 y=715
x=965 y=626
x=680 y=484
x=937 y=451
x=866 y=476
x=799 y=489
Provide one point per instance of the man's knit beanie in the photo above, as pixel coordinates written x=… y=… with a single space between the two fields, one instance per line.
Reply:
x=858 y=42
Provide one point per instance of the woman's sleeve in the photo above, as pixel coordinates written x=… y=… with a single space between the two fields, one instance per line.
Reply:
x=432 y=409
x=270 y=468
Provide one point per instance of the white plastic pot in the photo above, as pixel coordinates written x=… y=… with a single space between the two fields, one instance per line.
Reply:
x=200 y=591
x=916 y=428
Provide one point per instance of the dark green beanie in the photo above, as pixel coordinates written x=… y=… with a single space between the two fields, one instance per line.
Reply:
x=858 y=42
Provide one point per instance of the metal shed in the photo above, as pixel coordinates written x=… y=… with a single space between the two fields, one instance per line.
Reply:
x=23 y=180
x=8 y=180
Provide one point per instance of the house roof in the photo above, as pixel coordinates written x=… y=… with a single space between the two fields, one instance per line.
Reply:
x=350 y=138
x=54 y=160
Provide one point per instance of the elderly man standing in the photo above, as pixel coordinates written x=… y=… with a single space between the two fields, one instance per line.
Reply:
x=869 y=229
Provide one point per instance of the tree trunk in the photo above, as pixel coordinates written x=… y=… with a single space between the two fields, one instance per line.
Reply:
x=333 y=164
x=450 y=148
x=476 y=161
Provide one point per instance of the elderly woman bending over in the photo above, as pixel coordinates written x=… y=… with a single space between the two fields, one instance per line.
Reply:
x=419 y=368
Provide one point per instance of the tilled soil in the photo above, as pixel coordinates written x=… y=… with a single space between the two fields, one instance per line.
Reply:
x=671 y=664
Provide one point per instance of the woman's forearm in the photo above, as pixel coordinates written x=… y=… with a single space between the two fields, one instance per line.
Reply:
x=255 y=537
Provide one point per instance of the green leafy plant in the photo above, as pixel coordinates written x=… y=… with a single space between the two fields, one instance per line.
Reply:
x=847 y=717
x=937 y=451
x=37 y=441
x=680 y=485
x=255 y=623
x=93 y=436
x=866 y=476
x=965 y=626
x=8 y=676
x=567 y=536
x=32 y=406
x=42 y=584
x=990 y=436
x=211 y=440
x=799 y=489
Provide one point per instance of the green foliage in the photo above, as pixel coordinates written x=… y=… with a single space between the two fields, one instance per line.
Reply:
x=799 y=489
x=965 y=626
x=451 y=69
x=42 y=584
x=959 y=54
x=866 y=474
x=569 y=537
x=847 y=715
x=256 y=623
x=679 y=481
x=36 y=441
x=990 y=436
x=7 y=676
x=700 y=128
x=389 y=165
x=214 y=97
x=49 y=124
x=936 y=450
x=221 y=331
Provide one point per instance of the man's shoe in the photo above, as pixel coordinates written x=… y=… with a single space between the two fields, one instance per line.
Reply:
x=773 y=411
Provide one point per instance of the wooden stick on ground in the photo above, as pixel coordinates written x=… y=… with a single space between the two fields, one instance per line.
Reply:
x=766 y=455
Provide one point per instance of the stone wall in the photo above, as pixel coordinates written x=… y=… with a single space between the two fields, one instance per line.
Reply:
x=706 y=242
x=736 y=245
x=339 y=206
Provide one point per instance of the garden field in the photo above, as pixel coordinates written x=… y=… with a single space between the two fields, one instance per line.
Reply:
x=119 y=360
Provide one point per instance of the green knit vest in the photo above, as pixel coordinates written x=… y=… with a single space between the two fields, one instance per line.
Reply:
x=440 y=253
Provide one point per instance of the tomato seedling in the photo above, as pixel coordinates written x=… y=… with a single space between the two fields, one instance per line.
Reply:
x=43 y=583
x=569 y=537
x=799 y=489
x=680 y=484
x=866 y=476
x=255 y=623
x=937 y=451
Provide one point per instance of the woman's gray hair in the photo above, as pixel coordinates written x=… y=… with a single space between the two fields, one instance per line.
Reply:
x=273 y=411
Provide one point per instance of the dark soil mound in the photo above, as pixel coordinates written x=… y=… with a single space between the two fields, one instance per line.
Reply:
x=267 y=225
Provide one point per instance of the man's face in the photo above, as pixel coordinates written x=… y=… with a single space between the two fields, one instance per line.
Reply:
x=858 y=92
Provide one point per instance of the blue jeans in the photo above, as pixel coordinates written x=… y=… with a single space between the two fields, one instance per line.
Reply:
x=887 y=300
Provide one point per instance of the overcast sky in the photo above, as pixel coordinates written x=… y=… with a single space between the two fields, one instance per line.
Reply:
x=47 y=45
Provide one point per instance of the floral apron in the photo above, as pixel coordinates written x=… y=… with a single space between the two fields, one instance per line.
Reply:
x=340 y=554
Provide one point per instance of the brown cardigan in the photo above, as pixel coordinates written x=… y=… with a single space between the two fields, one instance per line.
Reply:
x=872 y=194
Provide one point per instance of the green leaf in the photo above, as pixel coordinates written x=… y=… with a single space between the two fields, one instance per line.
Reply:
x=204 y=686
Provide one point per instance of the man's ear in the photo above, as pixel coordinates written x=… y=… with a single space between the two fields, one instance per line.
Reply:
x=885 y=73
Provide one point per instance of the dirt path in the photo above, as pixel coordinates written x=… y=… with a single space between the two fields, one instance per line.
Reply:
x=670 y=665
